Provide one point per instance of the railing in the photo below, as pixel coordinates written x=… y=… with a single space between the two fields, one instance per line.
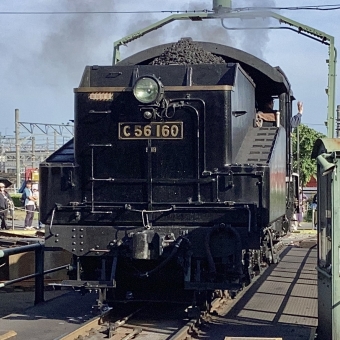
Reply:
x=39 y=268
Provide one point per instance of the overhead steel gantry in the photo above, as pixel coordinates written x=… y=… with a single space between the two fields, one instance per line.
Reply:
x=58 y=129
x=222 y=10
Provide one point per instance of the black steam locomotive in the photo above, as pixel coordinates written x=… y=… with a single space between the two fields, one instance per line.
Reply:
x=174 y=182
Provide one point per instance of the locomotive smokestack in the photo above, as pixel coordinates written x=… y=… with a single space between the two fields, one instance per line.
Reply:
x=221 y=5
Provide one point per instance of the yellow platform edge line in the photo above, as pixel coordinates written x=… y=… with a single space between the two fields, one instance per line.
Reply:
x=10 y=335
x=19 y=231
x=304 y=231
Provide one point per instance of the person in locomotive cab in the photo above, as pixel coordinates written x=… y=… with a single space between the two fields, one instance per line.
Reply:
x=5 y=203
x=266 y=115
x=29 y=205
x=267 y=105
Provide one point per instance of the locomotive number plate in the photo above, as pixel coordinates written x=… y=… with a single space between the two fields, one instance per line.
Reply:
x=152 y=130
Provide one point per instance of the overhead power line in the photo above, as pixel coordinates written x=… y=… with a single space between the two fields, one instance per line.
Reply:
x=292 y=8
x=241 y=9
x=102 y=12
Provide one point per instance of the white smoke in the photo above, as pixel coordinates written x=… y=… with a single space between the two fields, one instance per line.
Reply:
x=253 y=41
x=51 y=51
x=76 y=40
x=198 y=30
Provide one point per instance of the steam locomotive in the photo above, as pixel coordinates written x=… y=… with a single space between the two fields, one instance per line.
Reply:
x=174 y=183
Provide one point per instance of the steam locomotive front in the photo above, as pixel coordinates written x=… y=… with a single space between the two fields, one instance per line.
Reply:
x=155 y=181
x=146 y=142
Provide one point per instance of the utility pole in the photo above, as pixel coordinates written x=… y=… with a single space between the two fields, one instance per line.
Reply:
x=338 y=121
x=33 y=152
x=17 y=149
x=55 y=141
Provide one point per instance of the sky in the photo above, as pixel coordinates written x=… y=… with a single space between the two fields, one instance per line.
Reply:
x=43 y=56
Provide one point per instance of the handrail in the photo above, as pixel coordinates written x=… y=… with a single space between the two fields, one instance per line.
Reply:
x=39 y=268
x=19 y=250
x=39 y=249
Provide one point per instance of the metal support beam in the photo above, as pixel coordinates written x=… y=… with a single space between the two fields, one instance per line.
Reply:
x=58 y=129
x=336 y=254
x=331 y=89
x=193 y=16
x=39 y=279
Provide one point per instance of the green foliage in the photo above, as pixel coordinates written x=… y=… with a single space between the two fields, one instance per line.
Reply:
x=308 y=217
x=16 y=199
x=307 y=138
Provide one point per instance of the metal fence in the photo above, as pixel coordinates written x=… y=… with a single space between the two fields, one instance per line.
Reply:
x=39 y=249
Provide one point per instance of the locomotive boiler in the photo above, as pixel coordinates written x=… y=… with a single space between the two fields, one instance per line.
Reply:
x=174 y=183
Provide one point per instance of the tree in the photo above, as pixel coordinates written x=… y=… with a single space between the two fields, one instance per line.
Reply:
x=307 y=138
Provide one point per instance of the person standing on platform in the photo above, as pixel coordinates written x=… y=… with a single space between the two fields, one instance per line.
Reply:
x=29 y=205
x=302 y=204
x=36 y=198
x=5 y=204
x=314 y=211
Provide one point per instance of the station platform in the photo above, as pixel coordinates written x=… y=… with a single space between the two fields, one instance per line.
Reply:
x=282 y=304
x=61 y=314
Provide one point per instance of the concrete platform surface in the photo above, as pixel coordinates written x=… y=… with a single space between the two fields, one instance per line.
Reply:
x=62 y=313
x=282 y=303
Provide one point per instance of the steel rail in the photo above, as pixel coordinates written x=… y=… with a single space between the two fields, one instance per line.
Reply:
x=189 y=330
x=86 y=328
x=97 y=322
x=192 y=327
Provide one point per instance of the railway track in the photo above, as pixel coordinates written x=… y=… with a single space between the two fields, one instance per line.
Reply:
x=66 y=319
x=156 y=322
x=152 y=321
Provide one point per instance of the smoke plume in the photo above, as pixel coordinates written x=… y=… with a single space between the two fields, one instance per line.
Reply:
x=43 y=56
x=246 y=38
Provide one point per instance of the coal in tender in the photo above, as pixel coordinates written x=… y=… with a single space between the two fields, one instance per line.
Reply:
x=184 y=52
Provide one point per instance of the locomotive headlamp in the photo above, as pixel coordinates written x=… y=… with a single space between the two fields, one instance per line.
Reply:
x=148 y=90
